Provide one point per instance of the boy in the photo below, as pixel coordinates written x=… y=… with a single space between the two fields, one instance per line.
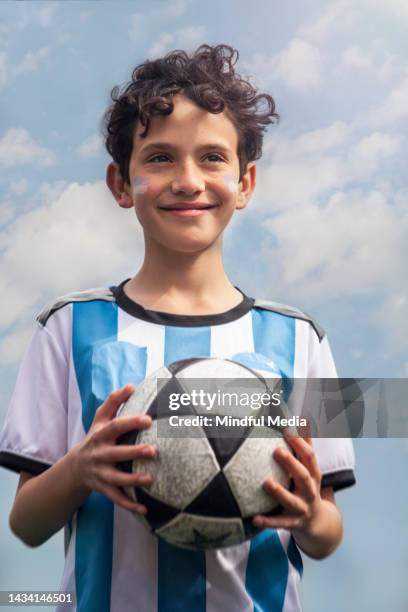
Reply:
x=183 y=136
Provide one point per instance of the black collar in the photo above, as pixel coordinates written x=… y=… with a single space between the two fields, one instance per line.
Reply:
x=180 y=320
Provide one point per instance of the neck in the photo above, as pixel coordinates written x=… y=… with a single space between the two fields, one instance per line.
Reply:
x=171 y=280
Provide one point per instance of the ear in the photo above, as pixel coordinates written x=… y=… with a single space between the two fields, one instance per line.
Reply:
x=246 y=186
x=118 y=187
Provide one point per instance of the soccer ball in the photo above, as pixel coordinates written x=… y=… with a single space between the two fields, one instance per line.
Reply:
x=207 y=474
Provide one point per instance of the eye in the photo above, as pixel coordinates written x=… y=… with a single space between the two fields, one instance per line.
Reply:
x=219 y=158
x=156 y=156
x=215 y=155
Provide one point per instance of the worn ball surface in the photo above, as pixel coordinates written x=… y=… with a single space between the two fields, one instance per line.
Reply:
x=207 y=480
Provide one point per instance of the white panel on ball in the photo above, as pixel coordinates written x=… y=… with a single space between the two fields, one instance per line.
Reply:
x=183 y=466
x=251 y=465
x=192 y=531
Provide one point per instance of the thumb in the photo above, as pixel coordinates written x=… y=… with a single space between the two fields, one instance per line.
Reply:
x=111 y=405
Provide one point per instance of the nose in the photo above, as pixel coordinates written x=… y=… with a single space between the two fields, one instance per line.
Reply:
x=188 y=179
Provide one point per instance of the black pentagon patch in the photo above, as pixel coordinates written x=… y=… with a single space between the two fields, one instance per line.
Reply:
x=159 y=408
x=158 y=513
x=216 y=499
x=225 y=447
x=203 y=542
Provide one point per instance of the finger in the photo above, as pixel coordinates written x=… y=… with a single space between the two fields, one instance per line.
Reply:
x=306 y=454
x=119 y=498
x=123 y=479
x=116 y=427
x=111 y=405
x=305 y=431
x=275 y=522
x=117 y=454
x=290 y=501
x=300 y=474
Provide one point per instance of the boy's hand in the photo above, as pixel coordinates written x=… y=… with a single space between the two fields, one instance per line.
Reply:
x=94 y=458
x=303 y=504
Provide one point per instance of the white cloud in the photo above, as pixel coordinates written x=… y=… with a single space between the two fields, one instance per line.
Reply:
x=186 y=38
x=357 y=57
x=17 y=147
x=395 y=8
x=393 y=109
x=308 y=167
x=299 y=64
x=80 y=239
x=163 y=44
x=364 y=158
x=321 y=139
x=380 y=65
x=353 y=245
x=287 y=182
x=90 y=147
x=341 y=14
x=31 y=61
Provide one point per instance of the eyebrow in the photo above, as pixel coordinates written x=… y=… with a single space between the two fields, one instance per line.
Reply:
x=160 y=146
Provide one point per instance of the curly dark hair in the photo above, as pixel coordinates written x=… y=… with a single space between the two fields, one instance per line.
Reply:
x=207 y=78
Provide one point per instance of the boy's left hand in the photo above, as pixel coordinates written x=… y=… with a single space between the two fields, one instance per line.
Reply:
x=302 y=505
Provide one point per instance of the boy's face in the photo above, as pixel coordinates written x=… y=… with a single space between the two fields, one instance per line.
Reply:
x=197 y=165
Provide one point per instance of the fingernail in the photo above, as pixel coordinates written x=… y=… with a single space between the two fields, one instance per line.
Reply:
x=149 y=452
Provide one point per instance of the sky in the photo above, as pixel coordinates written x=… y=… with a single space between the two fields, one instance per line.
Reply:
x=325 y=230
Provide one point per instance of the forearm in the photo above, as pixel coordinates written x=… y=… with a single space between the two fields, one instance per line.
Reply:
x=325 y=533
x=47 y=502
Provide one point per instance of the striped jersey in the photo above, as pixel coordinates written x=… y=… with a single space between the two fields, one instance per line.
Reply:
x=89 y=343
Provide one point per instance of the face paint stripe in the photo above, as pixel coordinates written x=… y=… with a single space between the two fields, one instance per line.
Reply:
x=140 y=184
x=231 y=183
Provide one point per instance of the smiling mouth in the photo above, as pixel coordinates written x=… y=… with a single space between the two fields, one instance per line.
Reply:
x=170 y=208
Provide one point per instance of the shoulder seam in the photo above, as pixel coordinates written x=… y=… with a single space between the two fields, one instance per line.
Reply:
x=289 y=311
x=89 y=295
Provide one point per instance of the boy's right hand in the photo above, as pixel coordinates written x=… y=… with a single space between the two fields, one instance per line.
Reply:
x=94 y=458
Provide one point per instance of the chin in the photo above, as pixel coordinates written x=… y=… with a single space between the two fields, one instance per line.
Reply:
x=189 y=246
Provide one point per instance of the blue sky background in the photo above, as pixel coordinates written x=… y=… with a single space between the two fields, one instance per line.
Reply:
x=325 y=231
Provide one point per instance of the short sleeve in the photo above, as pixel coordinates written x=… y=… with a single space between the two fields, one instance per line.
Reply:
x=335 y=456
x=34 y=434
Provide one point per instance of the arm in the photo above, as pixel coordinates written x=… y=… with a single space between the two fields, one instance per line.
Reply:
x=310 y=512
x=45 y=503
x=326 y=532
